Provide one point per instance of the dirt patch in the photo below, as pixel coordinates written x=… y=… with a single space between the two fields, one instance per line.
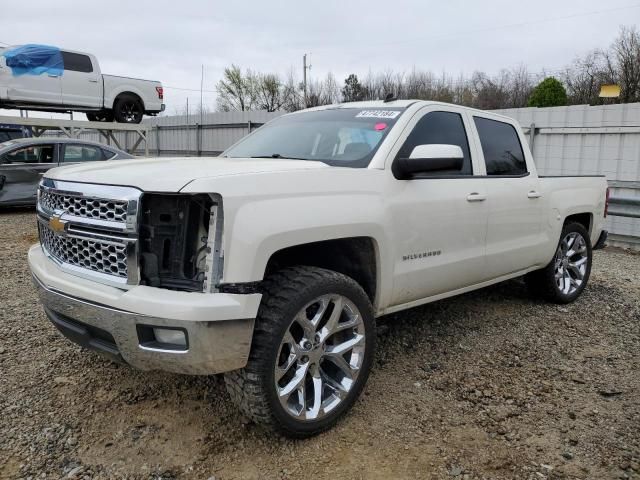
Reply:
x=489 y=385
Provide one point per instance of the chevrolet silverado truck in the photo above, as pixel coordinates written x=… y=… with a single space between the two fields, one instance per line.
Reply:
x=45 y=78
x=270 y=263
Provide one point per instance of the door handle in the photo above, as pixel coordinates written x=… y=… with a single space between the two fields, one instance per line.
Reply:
x=93 y=80
x=534 y=194
x=53 y=76
x=476 y=197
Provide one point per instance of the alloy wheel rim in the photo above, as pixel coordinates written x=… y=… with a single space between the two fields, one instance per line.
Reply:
x=320 y=357
x=131 y=111
x=571 y=263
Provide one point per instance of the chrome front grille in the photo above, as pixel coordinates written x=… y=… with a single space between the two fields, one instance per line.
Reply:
x=96 y=256
x=91 y=230
x=97 y=208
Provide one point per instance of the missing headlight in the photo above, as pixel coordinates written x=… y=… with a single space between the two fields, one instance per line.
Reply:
x=174 y=241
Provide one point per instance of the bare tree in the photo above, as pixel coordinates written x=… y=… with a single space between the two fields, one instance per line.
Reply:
x=521 y=85
x=626 y=56
x=509 y=88
x=584 y=77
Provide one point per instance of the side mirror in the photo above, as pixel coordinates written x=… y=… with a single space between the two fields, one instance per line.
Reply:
x=429 y=158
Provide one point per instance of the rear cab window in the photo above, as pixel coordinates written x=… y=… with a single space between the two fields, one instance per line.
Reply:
x=77 y=62
x=503 y=153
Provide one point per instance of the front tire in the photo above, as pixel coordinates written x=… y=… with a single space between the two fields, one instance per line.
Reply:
x=312 y=350
x=567 y=274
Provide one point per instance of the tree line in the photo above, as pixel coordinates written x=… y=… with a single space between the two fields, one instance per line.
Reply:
x=578 y=83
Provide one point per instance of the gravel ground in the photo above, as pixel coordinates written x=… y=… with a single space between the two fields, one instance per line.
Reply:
x=488 y=385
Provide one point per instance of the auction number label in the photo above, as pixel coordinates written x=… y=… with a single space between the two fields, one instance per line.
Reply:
x=378 y=114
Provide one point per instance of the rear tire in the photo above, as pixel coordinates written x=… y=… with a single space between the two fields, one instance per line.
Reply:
x=128 y=109
x=309 y=361
x=566 y=275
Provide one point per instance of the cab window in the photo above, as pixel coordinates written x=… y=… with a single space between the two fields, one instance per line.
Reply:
x=82 y=153
x=76 y=62
x=31 y=154
x=503 y=154
x=440 y=127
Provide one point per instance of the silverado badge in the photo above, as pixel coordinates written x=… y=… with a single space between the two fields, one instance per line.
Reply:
x=57 y=224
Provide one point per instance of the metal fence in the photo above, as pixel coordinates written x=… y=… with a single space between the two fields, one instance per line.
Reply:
x=191 y=135
x=576 y=140
x=592 y=140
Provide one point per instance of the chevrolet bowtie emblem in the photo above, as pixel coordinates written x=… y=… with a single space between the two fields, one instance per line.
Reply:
x=56 y=224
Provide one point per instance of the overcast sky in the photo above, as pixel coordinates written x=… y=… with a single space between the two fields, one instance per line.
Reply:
x=169 y=41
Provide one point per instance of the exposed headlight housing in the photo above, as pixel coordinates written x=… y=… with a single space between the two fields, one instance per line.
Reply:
x=180 y=241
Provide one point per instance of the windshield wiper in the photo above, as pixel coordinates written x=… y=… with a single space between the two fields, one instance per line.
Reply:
x=277 y=155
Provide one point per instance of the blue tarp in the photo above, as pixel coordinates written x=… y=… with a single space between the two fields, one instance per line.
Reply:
x=34 y=60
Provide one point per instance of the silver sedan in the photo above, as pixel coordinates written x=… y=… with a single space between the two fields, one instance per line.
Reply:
x=24 y=161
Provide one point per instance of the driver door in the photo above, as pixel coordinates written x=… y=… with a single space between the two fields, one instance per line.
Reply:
x=439 y=220
x=21 y=170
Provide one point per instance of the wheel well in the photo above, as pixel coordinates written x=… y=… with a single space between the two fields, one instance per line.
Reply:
x=583 y=219
x=354 y=257
x=128 y=93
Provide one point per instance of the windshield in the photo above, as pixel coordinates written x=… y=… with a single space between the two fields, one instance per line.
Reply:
x=346 y=137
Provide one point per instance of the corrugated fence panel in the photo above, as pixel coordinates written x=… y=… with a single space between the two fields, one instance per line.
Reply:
x=606 y=141
x=575 y=140
x=183 y=135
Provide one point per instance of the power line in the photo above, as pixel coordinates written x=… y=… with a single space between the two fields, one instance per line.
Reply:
x=489 y=29
x=188 y=89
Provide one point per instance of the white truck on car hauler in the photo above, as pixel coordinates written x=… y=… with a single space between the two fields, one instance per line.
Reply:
x=271 y=263
x=40 y=77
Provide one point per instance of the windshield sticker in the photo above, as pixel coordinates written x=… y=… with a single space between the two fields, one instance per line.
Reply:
x=378 y=127
x=378 y=114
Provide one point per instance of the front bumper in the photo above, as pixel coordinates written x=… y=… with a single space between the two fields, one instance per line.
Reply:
x=218 y=326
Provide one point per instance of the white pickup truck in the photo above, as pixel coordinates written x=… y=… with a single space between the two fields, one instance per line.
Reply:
x=39 y=77
x=271 y=262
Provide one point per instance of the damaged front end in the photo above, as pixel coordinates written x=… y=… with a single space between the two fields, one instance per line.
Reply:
x=181 y=241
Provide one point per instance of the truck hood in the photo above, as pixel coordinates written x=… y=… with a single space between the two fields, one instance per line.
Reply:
x=172 y=174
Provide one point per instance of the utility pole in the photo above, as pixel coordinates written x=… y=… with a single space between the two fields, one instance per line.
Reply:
x=201 y=87
x=304 y=76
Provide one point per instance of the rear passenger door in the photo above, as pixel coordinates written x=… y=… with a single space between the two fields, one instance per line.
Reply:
x=81 y=82
x=439 y=219
x=514 y=233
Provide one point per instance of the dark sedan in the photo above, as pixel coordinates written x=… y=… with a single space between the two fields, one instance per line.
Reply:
x=24 y=161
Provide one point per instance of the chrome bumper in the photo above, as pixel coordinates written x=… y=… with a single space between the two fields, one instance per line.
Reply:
x=213 y=346
x=218 y=334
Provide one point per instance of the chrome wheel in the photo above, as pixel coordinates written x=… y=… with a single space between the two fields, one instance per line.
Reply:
x=320 y=357
x=571 y=262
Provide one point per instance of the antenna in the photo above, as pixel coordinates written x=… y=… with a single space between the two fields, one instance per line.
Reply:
x=390 y=97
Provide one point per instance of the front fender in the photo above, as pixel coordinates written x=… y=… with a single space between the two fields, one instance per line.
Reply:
x=260 y=229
